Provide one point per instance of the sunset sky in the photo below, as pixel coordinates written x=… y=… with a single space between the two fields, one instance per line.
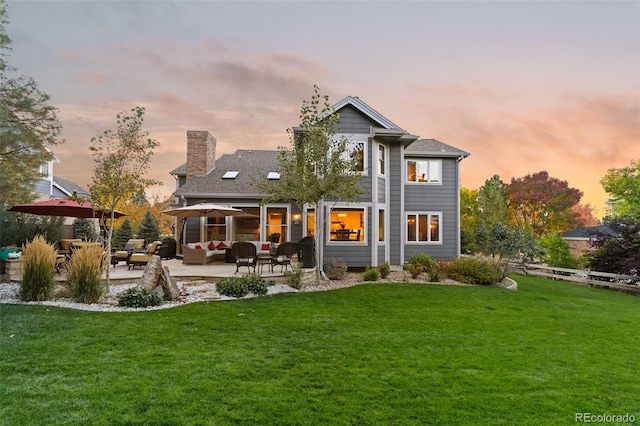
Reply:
x=522 y=86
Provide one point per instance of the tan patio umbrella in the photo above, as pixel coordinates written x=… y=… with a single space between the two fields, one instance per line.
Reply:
x=203 y=210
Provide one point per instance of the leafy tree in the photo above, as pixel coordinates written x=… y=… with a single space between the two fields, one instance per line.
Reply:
x=492 y=205
x=313 y=169
x=149 y=229
x=468 y=219
x=557 y=251
x=122 y=159
x=85 y=229
x=28 y=126
x=123 y=234
x=617 y=252
x=504 y=243
x=542 y=202
x=16 y=229
x=623 y=187
x=584 y=215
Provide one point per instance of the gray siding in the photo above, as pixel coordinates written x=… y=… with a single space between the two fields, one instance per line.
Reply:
x=43 y=186
x=353 y=121
x=436 y=198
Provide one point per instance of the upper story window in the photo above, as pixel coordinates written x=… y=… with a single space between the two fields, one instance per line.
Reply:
x=424 y=171
x=356 y=150
x=382 y=157
x=44 y=169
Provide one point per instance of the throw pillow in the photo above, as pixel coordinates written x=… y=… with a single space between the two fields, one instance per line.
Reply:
x=266 y=246
x=198 y=246
x=211 y=246
x=222 y=246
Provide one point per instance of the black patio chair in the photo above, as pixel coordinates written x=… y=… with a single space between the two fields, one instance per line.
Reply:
x=283 y=255
x=245 y=254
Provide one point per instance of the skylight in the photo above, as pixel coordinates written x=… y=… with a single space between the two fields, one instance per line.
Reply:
x=230 y=175
x=273 y=176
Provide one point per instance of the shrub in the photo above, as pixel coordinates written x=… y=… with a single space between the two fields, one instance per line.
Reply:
x=371 y=274
x=335 y=268
x=385 y=270
x=414 y=270
x=472 y=270
x=241 y=286
x=83 y=274
x=424 y=260
x=437 y=271
x=85 y=229
x=294 y=279
x=39 y=259
x=139 y=297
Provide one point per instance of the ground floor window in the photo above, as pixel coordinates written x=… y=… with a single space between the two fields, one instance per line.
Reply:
x=424 y=227
x=311 y=222
x=346 y=224
x=277 y=222
x=216 y=228
x=247 y=228
x=380 y=225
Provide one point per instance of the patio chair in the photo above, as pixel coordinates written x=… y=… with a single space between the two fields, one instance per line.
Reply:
x=245 y=254
x=283 y=255
x=131 y=246
x=144 y=257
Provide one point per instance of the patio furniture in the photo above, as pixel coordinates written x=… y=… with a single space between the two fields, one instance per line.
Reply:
x=144 y=258
x=283 y=255
x=264 y=260
x=245 y=254
x=131 y=246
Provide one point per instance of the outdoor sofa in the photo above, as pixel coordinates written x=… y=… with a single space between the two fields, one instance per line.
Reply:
x=204 y=252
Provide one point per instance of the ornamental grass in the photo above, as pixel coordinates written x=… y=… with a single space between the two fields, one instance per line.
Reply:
x=39 y=258
x=83 y=274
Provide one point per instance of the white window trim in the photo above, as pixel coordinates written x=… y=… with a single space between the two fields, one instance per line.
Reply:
x=385 y=172
x=416 y=182
x=327 y=229
x=263 y=223
x=356 y=138
x=429 y=214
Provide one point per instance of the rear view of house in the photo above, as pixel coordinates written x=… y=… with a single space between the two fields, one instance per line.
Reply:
x=410 y=202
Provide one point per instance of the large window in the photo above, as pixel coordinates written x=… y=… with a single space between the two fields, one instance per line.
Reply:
x=247 y=228
x=216 y=228
x=356 y=149
x=311 y=222
x=277 y=222
x=382 y=155
x=424 y=171
x=346 y=225
x=424 y=227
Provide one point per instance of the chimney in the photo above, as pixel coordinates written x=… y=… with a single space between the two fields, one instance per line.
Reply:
x=201 y=153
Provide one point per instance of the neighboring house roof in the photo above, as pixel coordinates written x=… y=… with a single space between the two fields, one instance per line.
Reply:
x=433 y=147
x=180 y=170
x=588 y=232
x=252 y=166
x=68 y=187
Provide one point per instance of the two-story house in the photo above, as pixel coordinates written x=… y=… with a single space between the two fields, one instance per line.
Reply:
x=410 y=203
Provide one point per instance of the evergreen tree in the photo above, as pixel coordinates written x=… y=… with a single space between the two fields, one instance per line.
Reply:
x=85 y=229
x=149 y=228
x=121 y=235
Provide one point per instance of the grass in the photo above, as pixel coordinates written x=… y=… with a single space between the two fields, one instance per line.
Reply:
x=374 y=354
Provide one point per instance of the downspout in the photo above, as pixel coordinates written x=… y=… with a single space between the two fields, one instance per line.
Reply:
x=458 y=187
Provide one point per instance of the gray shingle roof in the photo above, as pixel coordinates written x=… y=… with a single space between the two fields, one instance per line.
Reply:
x=250 y=164
x=69 y=186
x=433 y=147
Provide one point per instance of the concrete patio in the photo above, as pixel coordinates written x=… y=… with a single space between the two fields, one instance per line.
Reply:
x=212 y=271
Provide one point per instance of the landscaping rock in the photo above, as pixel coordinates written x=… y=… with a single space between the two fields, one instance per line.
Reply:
x=157 y=278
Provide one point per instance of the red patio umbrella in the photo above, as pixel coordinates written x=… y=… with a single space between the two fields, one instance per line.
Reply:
x=64 y=207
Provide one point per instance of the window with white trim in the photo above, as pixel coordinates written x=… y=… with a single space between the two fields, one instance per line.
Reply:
x=346 y=225
x=356 y=149
x=424 y=171
x=381 y=225
x=382 y=156
x=424 y=227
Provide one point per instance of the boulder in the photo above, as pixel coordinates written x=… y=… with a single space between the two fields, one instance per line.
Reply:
x=158 y=279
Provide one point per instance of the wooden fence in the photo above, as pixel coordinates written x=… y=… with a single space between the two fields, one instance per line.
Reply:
x=626 y=283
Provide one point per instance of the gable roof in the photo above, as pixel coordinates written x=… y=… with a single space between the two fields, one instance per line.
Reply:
x=68 y=187
x=251 y=165
x=362 y=106
x=433 y=148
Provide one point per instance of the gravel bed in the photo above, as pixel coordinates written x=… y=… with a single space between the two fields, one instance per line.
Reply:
x=194 y=291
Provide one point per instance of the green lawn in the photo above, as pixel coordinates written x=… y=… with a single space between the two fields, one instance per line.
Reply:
x=397 y=354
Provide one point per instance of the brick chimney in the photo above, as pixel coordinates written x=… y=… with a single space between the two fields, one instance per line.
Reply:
x=201 y=153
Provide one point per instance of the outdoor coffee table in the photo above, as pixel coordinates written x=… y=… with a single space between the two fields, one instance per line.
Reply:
x=264 y=260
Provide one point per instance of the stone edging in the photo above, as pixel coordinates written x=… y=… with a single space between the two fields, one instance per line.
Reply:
x=508 y=283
